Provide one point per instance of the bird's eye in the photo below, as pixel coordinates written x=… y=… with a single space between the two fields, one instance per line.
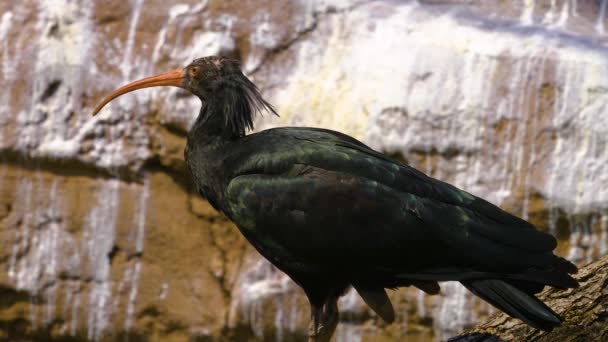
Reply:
x=193 y=71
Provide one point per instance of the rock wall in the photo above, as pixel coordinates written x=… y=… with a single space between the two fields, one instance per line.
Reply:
x=102 y=237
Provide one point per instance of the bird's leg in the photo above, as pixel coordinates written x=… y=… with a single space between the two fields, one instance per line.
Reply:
x=331 y=317
x=324 y=321
x=315 y=317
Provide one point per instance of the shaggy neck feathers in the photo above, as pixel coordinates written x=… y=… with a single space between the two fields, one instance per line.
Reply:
x=230 y=108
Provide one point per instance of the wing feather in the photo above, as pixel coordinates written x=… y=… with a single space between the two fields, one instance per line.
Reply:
x=316 y=188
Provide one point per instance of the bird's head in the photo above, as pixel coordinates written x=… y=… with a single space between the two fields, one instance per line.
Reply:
x=205 y=76
x=215 y=80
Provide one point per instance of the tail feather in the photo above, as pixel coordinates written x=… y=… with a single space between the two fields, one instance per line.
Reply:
x=377 y=300
x=515 y=302
x=558 y=275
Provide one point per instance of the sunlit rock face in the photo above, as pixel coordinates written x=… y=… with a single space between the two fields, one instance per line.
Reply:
x=102 y=237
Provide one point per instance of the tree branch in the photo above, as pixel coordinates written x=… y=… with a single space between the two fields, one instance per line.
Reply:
x=584 y=310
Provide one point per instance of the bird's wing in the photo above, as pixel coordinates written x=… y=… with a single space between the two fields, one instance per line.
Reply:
x=316 y=194
x=316 y=214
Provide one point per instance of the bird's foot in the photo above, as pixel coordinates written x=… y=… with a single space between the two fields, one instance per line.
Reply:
x=322 y=333
x=324 y=321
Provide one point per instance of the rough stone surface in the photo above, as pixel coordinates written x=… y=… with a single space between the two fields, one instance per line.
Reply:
x=101 y=237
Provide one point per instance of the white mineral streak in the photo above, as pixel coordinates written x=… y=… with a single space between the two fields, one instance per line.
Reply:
x=41 y=249
x=175 y=12
x=256 y=287
x=54 y=124
x=24 y=190
x=579 y=163
x=6 y=68
x=455 y=310
x=5 y=26
x=99 y=242
x=420 y=306
x=348 y=332
x=205 y=41
x=334 y=70
x=109 y=149
x=350 y=305
x=550 y=16
x=11 y=50
x=527 y=15
x=558 y=17
x=565 y=14
x=130 y=68
x=63 y=45
x=601 y=18
x=180 y=16
x=279 y=325
x=126 y=65
x=48 y=252
x=537 y=83
x=265 y=36
x=603 y=247
x=127 y=288
x=164 y=291
x=135 y=270
x=287 y=317
x=72 y=307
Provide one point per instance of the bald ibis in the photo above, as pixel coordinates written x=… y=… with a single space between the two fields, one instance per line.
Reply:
x=332 y=213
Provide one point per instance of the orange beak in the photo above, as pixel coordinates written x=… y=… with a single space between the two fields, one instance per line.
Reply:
x=171 y=78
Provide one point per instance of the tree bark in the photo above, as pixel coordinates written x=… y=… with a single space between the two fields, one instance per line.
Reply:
x=584 y=310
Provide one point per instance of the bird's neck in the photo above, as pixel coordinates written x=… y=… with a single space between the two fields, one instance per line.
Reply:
x=225 y=116
x=207 y=144
x=221 y=123
x=209 y=127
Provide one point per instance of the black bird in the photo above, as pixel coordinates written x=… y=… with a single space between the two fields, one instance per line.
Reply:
x=333 y=213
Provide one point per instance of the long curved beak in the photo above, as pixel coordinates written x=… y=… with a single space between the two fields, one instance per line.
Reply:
x=171 y=78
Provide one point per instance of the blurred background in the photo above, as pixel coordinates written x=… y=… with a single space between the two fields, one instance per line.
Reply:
x=102 y=237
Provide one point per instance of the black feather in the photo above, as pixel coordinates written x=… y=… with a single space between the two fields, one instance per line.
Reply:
x=242 y=102
x=515 y=302
x=377 y=300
